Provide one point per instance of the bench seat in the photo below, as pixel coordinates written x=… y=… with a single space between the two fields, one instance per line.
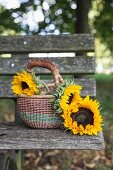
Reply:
x=13 y=136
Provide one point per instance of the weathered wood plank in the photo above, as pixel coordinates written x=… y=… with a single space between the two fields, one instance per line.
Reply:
x=89 y=87
x=49 y=43
x=18 y=137
x=67 y=65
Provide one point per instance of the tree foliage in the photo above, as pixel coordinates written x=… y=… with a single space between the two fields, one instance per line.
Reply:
x=7 y=22
x=51 y=16
x=102 y=21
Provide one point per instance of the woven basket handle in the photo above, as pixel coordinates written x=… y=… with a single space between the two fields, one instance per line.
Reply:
x=46 y=64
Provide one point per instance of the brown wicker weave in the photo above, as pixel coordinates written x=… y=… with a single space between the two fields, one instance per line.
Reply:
x=36 y=111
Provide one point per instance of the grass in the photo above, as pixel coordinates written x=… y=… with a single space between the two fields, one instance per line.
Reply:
x=7 y=110
x=105 y=95
x=106 y=78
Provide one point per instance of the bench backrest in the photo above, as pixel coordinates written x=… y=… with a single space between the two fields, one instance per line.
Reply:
x=80 y=66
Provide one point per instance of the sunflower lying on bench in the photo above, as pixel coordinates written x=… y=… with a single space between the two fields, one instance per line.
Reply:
x=80 y=115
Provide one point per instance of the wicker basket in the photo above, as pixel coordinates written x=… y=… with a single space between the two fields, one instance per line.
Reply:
x=36 y=111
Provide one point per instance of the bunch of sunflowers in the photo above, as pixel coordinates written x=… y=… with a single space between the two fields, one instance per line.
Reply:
x=80 y=115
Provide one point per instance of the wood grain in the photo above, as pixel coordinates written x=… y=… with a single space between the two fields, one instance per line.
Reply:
x=66 y=65
x=18 y=137
x=49 y=43
x=89 y=87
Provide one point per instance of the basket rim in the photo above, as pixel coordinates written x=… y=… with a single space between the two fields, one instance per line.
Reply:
x=36 y=96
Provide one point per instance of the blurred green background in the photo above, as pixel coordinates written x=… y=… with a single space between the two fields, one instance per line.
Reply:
x=32 y=17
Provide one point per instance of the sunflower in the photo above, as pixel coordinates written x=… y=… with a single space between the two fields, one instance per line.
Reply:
x=70 y=97
x=85 y=120
x=23 y=84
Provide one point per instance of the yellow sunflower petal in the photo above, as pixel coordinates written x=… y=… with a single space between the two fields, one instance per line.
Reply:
x=71 y=92
x=88 y=107
x=23 y=84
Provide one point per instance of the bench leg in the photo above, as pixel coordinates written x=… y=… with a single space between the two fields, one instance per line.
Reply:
x=11 y=160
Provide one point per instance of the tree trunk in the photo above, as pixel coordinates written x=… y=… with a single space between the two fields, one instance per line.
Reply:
x=82 y=25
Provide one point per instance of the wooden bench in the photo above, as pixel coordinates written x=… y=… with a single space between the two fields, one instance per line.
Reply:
x=14 y=137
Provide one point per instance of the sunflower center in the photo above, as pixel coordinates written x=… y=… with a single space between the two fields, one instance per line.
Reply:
x=24 y=85
x=70 y=99
x=83 y=116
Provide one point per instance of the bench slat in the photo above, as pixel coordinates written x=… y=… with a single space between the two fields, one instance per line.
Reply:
x=89 y=87
x=68 y=65
x=49 y=43
x=17 y=137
